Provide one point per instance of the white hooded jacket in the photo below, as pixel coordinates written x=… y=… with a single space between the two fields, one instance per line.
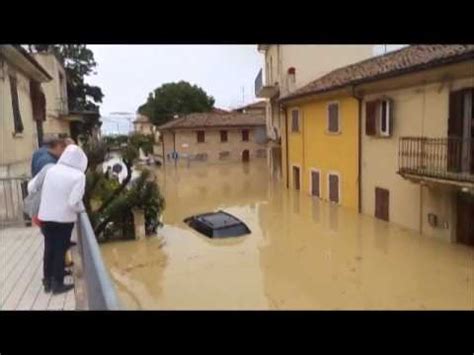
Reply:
x=63 y=187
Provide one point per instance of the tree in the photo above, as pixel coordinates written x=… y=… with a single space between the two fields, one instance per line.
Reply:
x=78 y=62
x=108 y=202
x=175 y=99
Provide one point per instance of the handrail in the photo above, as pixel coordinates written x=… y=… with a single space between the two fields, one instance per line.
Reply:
x=99 y=289
x=13 y=190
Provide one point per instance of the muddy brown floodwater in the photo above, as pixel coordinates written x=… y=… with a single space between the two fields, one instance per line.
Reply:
x=302 y=253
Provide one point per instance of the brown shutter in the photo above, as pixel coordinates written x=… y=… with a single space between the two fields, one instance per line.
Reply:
x=333 y=112
x=38 y=101
x=391 y=118
x=455 y=129
x=315 y=183
x=455 y=119
x=382 y=198
x=18 y=124
x=334 y=188
x=371 y=108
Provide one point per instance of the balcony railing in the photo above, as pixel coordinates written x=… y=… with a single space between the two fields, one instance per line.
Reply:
x=12 y=192
x=450 y=159
x=263 y=89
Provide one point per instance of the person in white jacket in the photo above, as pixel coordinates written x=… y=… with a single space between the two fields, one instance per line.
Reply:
x=61 y=200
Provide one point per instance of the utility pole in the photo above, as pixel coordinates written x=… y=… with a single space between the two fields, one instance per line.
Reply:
x=243 y=95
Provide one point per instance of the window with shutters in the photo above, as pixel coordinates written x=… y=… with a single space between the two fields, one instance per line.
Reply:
x=201 y=137
x=17 y=122
x=315 y=183
x=379 y=117
x=385 y=120
x=245 y=135
x=223 y=136
x=295 y=120
x=333 y=118
x=333 y=188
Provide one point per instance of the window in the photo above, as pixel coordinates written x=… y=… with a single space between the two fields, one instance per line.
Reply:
x=333 y=181
x=382 y=203
x=295 y=120
x=17 y=122
x=223 y=136
x=333 y=117
x=201 y=137
x=315 y=183
x=245 y=135
x=296 y=177
x=224 y=155
x=379 y=118
x=385 y=118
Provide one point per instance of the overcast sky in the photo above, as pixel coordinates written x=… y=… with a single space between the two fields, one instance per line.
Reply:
x=127 y=73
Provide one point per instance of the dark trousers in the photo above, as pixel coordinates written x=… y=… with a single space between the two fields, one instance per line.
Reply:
x=57 y=238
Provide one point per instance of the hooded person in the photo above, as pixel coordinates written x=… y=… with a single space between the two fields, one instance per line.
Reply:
x=61 y=201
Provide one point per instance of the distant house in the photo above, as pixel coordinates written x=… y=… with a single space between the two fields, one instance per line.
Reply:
x=143 y=125
x=214 y=137
x=257 y=108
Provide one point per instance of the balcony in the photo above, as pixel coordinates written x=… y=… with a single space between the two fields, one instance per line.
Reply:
x=62 y=107
x=264 y=90
x=448 y=161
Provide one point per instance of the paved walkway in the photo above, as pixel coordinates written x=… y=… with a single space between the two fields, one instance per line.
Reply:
x=21 y=271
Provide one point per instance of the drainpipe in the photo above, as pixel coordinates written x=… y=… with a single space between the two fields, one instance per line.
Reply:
x=286 y=150
x=359 y=149
x=162 y=136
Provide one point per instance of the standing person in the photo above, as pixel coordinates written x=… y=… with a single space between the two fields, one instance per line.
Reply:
x=49 y=153
x=61 y=200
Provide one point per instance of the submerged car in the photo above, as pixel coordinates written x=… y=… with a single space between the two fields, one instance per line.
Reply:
x=217 y=225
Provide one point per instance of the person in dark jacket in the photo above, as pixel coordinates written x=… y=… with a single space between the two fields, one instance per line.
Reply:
x=49 y=153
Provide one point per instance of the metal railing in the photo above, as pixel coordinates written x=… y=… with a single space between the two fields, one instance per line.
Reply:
x=258 y=82
x=99 y=289
x=62 y=106
x=13 y=190
x=441 y=158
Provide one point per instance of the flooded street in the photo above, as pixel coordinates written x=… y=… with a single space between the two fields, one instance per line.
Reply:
x=302 y=253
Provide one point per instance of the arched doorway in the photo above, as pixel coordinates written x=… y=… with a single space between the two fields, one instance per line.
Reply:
x=245 y=155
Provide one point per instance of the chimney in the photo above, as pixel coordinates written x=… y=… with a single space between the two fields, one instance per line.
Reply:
x=291 y=79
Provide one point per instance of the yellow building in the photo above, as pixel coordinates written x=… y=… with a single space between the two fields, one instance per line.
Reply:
x=321 y=144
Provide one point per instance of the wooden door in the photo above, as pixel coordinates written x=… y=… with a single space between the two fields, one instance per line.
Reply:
x=245 y=155
x=382 y=201
x=315 y=183
x=333 y=188
x=465 y=219
x=296 y=177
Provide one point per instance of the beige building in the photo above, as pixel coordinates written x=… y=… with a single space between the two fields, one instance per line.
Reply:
x=57 y=120
x=143 y=125
x=22 y=108
x=417 y=140
x=214 y=137
x=290 y=67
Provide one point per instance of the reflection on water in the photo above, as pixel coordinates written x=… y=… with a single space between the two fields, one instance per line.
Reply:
x=303 y=253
